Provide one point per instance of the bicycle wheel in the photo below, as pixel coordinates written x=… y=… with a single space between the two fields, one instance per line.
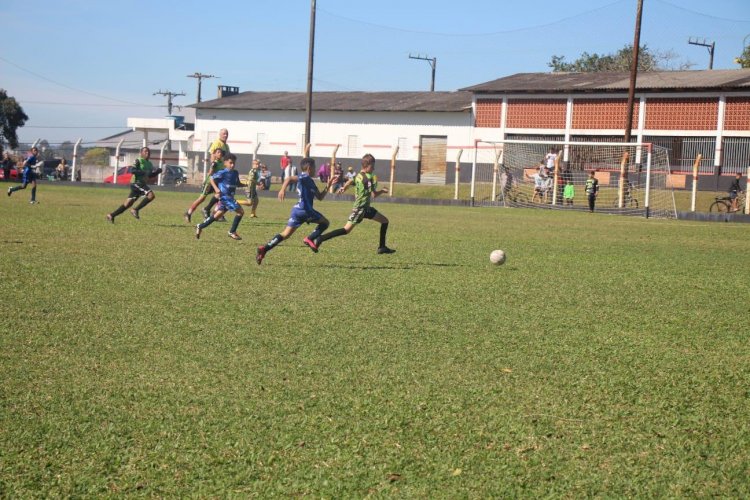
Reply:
x=719 y=206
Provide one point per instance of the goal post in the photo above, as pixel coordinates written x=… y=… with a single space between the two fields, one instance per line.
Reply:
x=634 y=178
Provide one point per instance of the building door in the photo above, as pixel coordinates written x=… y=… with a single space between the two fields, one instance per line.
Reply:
x=432 y=153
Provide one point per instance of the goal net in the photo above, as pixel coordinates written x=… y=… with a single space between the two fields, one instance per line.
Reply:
x=633 y=177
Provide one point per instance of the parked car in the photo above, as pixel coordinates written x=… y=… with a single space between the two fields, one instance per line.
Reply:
x=124 y=176
x=174 y=174
x=14 y=174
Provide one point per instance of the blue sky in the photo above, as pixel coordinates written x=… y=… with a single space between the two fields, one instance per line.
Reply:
x=81 y=67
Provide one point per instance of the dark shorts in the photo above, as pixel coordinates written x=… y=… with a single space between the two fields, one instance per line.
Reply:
x=137 y=190
x=732 y=194
x=28 y=176
x=207 y=188
x=360 y=213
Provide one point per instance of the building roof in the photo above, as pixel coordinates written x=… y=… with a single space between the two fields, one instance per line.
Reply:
x=344 y=101
x=131 y=140
x=653 y=81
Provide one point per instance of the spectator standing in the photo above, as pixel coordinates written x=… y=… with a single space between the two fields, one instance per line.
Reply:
x=7 y=164
x=569 y=192
x=734 y=191
x=264 y=183
x=338 y=174
x=350 y=174
x=592 y=189
x=291 y=170
x=284 y=163
x=324 y=172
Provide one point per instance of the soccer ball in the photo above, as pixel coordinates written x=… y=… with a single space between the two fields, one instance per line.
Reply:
x=497 y=257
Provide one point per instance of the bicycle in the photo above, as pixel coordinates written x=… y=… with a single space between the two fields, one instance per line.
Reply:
x=628 y=200
x=723 y=204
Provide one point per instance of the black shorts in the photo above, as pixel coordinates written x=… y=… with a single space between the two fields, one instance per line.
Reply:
x=359 y=213
x=207 y=189
x=137 y=190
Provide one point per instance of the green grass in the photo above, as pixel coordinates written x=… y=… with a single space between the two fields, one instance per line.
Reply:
x=608 y=357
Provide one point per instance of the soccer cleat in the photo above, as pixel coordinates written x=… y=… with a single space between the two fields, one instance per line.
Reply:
x=10 y=191
x=188 y=216
x=198 y=231
x=234 y=236
x=259 y=254
x=110 y=219
x=382 y=250
x=205 y=213
x=310 y=243
x=33 y=202
x=134 y=213
x=253 y=216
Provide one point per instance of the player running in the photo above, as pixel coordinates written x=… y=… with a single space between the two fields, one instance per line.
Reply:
x=217 y=163
x=303 y=211
x=366 y=188
x=225 y=182
x=28 y=176
x=252 y=189
x=142 y=170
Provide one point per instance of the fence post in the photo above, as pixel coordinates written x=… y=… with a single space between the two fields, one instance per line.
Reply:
x=458 y=172
x=117 y=161
x=393 y=171
x=161 y=162
x=75 y=160
x=696 y=164
x=747 y=193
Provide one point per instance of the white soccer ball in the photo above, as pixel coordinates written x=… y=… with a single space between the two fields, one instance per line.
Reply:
x=497 y=257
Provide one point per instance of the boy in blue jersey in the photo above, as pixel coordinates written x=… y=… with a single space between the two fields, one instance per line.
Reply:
x=303 y=211
x=28 y=175
x=225 y=183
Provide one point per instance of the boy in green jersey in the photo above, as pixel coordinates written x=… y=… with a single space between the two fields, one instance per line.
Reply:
x=141 y=170
x=366 y=188
x=569 y=192
x=252 y=189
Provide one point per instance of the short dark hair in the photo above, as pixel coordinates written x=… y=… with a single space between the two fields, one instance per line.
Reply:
x=307 y=163
x=231 y=156
x=368 y=160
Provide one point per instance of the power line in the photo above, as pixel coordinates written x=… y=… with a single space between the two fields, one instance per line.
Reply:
x=474 y=35
x=67 y=86
x=68 y=126
x=24 y=101
x=703 y=14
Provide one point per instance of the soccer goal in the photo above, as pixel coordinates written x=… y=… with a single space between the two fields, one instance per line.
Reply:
x=633 y=178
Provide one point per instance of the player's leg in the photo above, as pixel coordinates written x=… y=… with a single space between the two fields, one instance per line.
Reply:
x=194 y=206
x=383 y=220
x=213 y=201
x=239 y=213
x=291 y=226
x=13 y=189
x=134 y=195
x=321 y=224
x=33 y=191
x=145 y=201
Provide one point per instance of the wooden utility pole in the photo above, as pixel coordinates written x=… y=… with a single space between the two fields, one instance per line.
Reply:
x=633 y=71
x=200 y=77
x=310 y=59
x=433 y=63
x=169 y=95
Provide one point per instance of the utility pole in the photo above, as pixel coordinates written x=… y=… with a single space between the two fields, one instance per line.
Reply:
x=310 y=58
x=633 y=71
x=433 y=63
x=710 y=46
x=200 y=77
x=169 y=95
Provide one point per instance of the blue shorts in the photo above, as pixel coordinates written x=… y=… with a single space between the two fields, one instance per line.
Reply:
x=732 y=194
x=227 y=203
x=299 y=217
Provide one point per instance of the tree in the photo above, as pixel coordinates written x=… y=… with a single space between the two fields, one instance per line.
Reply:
x=648 y=60
x=744 y=59
x=97 y=156
x=12 y=117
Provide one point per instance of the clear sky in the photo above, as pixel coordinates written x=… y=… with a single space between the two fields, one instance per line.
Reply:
x=80 y=67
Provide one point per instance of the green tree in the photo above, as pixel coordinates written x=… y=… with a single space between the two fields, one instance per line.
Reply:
x=97 y=156
x=744 y=59
x=648 y=60
x=12 y=118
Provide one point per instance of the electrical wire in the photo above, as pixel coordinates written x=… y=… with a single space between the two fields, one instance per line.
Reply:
x=702 y=14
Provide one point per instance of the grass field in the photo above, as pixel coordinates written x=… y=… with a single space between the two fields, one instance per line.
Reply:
x=609 y=356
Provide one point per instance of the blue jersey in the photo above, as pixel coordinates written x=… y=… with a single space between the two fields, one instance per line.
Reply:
x=227 y=180
x=29 y=163
x=307 y=191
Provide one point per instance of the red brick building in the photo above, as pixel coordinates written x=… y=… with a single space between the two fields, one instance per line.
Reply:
x=689 y=112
